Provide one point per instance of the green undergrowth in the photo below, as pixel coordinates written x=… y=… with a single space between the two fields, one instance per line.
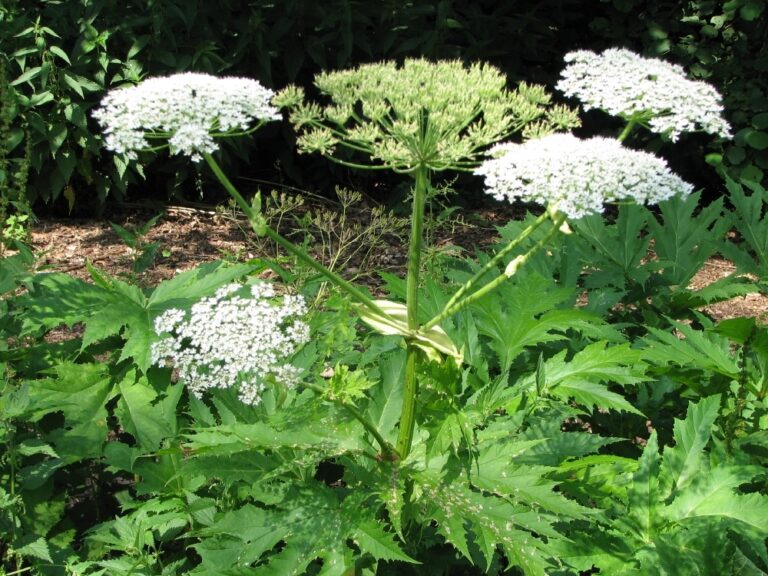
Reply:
x=627 y=434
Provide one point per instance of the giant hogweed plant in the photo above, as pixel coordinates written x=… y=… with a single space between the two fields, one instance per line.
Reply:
x=454 y=444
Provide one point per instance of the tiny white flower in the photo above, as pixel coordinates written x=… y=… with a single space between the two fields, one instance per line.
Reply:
x=577 y=176
x=187 y=110
x=231 y=341
x=625 y=84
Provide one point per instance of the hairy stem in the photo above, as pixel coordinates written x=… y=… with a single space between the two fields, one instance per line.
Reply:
x=408 y=414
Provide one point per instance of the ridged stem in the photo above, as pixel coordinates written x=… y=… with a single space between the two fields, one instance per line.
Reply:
x=410 y=384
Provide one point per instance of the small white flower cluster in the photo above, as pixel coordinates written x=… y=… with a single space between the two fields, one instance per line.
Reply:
x=625 y=84
x=576 y=176
x=187 y=109
x=233 y=341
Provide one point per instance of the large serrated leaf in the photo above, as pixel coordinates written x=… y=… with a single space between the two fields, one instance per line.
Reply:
x=80 y=392
x=374 y=540
x=521 y=315
x=751 y=221
x=643 y=495
x=714 y=495
x=111 y=307
x=618 y=248
x=706 y=351
x=582 y=377
x=687 y=235
x=498 y=473
x=149 y=416
x=386 y=399
x=684 y=461
x=460 y=511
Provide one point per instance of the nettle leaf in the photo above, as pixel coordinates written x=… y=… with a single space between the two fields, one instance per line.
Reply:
x=581 y=378
x=37 y=548
x=685 y=460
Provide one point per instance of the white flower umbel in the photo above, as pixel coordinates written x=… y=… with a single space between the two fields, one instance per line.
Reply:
x=577 y=176
x=187 y=111
x=233 y=341
x=647 y=90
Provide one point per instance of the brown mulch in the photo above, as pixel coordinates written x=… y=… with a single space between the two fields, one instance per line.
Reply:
x=189 y=236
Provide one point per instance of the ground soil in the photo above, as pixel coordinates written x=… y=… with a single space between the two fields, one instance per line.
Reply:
x=190 y=235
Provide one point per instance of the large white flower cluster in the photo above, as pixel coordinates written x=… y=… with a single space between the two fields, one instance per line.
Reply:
x=577 y=176
x=188 y=110
x=625 y=84
x=232 y=341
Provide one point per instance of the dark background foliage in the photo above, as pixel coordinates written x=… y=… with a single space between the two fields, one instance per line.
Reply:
x=60 y=57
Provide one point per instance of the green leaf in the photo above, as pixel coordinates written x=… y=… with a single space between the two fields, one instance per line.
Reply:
x=581 y=377
x=37 y=548
x=521 y=314
x=374 y=540
x=80 y=392
x=704 y=351
x=687 y=235
x=60 y=53
x=643 y=499
x=622 y=244
x=386 y=401
x=27 y=76
x=254 y=528
x=149 y=416
x=57 y=134
x=684 y=461
x=197 y=283
x=499 y=473
x=750 y=219
x=760 y=121
x=713 y=495
x=459 y=510
x=757 y=140
x=36 y=446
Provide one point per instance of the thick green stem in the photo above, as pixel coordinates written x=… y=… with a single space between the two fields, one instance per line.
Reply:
x=408 y=414
x=627 y=129
x=288 y=246
x=519 y=261
x=490 y=265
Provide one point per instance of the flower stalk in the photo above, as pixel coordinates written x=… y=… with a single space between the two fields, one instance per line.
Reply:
x=260 y=227
x=408 y=413
x=452 y=308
